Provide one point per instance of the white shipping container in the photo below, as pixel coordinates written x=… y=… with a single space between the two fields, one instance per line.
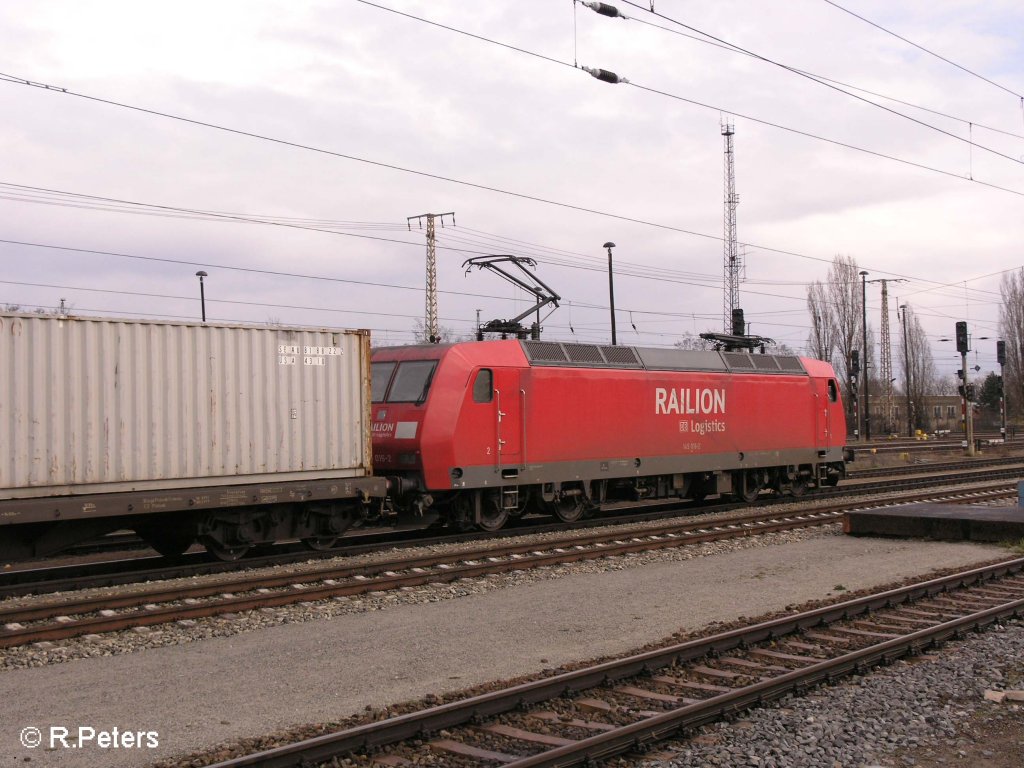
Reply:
x=90 y=405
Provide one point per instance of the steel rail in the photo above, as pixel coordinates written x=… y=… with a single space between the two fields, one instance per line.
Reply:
x=14 y=584
x=943 y=467
x=663 y=726
x=424 y=722
x=470 y=567
x=446 y=568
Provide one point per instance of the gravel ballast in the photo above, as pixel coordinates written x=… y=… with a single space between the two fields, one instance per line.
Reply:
x=913 y=711
x=202 y=693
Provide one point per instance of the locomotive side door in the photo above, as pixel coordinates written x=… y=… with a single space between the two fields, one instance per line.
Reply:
x=508 y=418
x=825 y=401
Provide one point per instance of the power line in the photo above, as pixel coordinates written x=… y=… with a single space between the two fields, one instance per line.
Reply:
x=275 y=273
x=141 y=294
x=926 y=50
x=825 y=83
x=719 y=109
x=733 y=49
x=250 y=219
x=97 y=203
x=252 y=270
x=5 y=77
x=143 y=208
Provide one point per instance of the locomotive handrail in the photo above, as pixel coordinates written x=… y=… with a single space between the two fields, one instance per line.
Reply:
x=522 y=423
x=497 y=430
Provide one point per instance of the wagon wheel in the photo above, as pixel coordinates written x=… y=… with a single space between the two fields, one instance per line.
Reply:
x=569 y=509
x=222 y=551
x=320 y=543
x=169 y=543
x=493 y=515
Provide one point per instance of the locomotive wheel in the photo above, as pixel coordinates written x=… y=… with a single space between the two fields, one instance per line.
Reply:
x=569 y=509
x=493 y=515
x=320 y=543
x=751 y=487
x=224 y=552
x=798 y=487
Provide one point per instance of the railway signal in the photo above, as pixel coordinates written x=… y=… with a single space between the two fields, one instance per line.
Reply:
x=962 y=343
x=963 y=346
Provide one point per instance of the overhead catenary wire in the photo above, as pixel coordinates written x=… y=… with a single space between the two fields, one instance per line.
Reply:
x=9 y=78
x=700 y=38
x=245 y=218
x=926 y=50
x=828 y=84
x=207 y=264
x=612 y=77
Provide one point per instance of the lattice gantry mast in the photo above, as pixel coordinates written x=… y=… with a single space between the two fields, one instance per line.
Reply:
x=732 y=260
x=886 y=363
x=431 y=330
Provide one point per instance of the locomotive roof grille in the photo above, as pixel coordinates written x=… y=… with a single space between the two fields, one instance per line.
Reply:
x=765 y=363
x=548 y=353
x=740 y=360
x=544 y=351
x=583 y=353
x=621 y=356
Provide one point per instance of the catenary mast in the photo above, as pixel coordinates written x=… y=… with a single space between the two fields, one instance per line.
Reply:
x=732 y=260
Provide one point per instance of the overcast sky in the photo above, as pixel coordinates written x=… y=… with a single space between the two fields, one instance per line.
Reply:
x=421 y=102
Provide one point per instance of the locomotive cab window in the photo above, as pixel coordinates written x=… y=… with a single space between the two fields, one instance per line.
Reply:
x=483 y=386
x=380 y=375
x=412 y=381
x=833 y=391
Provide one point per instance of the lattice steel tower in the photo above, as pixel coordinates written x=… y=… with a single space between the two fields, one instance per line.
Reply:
x=430 y=325
x=732 y=259
x=886 y=363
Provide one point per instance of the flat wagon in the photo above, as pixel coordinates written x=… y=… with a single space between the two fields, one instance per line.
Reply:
x=230 y=434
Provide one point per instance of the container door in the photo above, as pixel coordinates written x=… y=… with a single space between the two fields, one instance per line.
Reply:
x=508 y=413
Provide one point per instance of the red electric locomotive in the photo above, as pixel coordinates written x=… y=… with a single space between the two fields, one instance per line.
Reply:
x=476 y=432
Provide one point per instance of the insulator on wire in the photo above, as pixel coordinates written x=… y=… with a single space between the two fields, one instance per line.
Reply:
x=606 y=10
x=605 y=75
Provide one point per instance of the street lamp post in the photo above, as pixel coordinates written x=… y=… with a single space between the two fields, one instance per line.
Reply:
x=611 y=286
x=202 y=292
x=867 y=354
x=907 y=372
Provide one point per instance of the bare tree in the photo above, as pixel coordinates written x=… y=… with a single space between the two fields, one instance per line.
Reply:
x=918 y=367
x=945 y=385
x=446 y=335
x=822 y=340
x=837 y=326
x=1011 y=324
x=691 y=341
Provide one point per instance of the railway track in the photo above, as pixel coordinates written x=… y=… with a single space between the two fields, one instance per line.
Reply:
x=951 y=466
x=49 y=620
x=626 y=705
x=131 y=570
x=945 y=444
